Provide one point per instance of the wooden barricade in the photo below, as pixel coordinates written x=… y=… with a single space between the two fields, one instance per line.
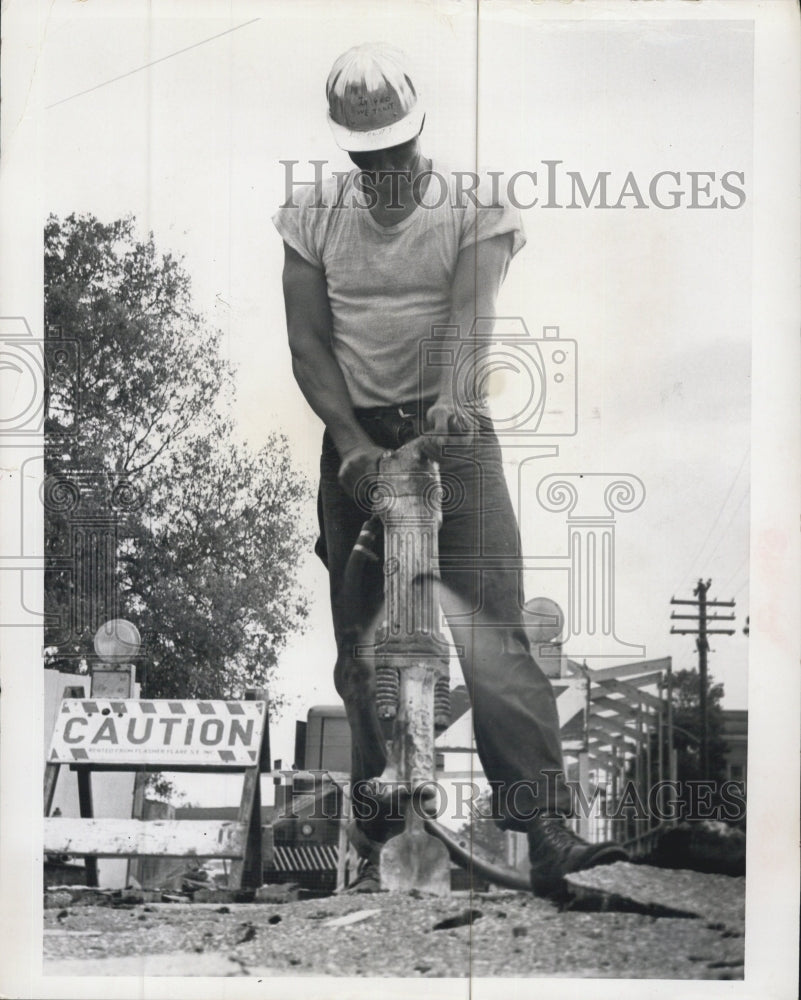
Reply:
x=106 y=734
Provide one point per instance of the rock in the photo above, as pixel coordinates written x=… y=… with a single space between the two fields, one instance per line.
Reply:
x=223 y=896
x=57 y=898
x=703 y=846
x=284 y=893
x=213 y=896
x=248 y=932
x=137 y=896
x=467 y=917
x=351 y=918
x=75 y=895
x=717 y=898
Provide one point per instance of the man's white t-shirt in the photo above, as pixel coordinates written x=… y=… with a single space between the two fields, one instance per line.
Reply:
x=390 y=286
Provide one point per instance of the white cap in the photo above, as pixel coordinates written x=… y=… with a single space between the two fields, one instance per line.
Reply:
x=372 y=102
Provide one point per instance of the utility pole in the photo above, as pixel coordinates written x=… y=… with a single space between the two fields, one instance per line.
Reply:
x=702 y=645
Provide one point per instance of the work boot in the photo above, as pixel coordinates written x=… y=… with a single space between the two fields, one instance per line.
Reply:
x=368 y=878
x=367 y=837
x=555 y=850
x=389 y=805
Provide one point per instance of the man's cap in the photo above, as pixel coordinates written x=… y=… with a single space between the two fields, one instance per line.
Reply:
x=372 y=102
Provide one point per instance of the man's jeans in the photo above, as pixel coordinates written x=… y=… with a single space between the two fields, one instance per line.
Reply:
x=515 y=719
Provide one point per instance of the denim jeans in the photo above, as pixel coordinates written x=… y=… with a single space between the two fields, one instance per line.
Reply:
x=515 y=720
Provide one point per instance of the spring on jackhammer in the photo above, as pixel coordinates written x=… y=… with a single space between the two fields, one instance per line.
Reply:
x=387 y=691
x=442 y=704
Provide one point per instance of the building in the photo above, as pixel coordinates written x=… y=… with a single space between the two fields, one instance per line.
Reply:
x=735 y=733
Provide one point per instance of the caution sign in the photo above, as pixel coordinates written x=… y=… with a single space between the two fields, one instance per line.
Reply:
x=188 y=733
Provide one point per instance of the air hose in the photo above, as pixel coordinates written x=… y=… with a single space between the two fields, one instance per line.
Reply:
x=461 y=853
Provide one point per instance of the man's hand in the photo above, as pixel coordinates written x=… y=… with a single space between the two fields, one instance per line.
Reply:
x=359 y=466
x=446 y=423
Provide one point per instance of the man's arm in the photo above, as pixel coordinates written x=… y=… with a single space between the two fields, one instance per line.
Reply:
x=308 y=318
x=480 y=271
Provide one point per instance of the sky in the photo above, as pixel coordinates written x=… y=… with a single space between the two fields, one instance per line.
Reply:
x=182 y=119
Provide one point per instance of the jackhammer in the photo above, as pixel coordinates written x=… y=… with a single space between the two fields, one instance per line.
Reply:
x=412 y=696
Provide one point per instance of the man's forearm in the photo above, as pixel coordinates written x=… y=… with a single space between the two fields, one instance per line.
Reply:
x=479 y=273
x=316 y=370
x=321 y=381
x=463 y=318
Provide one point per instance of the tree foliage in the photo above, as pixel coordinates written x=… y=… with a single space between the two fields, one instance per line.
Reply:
x=209 y=532
x=482 y=830
x=687 y=727
x=150 y=369
x=686 y=706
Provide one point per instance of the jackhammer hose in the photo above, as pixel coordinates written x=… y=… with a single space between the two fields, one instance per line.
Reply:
x=461 y=854
x=368 y=552
x=359 y=583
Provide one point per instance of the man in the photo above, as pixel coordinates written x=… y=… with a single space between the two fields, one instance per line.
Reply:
x=376 y=262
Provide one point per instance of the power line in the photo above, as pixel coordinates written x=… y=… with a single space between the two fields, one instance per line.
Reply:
x=155 y=62
x=733 y=515
x=716 y=519
x=735 y=574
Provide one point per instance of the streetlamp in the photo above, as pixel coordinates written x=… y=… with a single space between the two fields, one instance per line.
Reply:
x=544 y=622
x=117 y=643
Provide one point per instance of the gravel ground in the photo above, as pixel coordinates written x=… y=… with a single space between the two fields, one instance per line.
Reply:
x=719 y=899
x=492 y=934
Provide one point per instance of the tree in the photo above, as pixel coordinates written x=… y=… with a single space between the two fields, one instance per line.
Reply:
x=150 y=369
x=482 y=832
x=204 y=534
x=686 y=713
x=687 y=731
x=212 y=576
x=687 y=727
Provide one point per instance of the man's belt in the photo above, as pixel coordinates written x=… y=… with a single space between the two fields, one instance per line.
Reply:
x=410 y=410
